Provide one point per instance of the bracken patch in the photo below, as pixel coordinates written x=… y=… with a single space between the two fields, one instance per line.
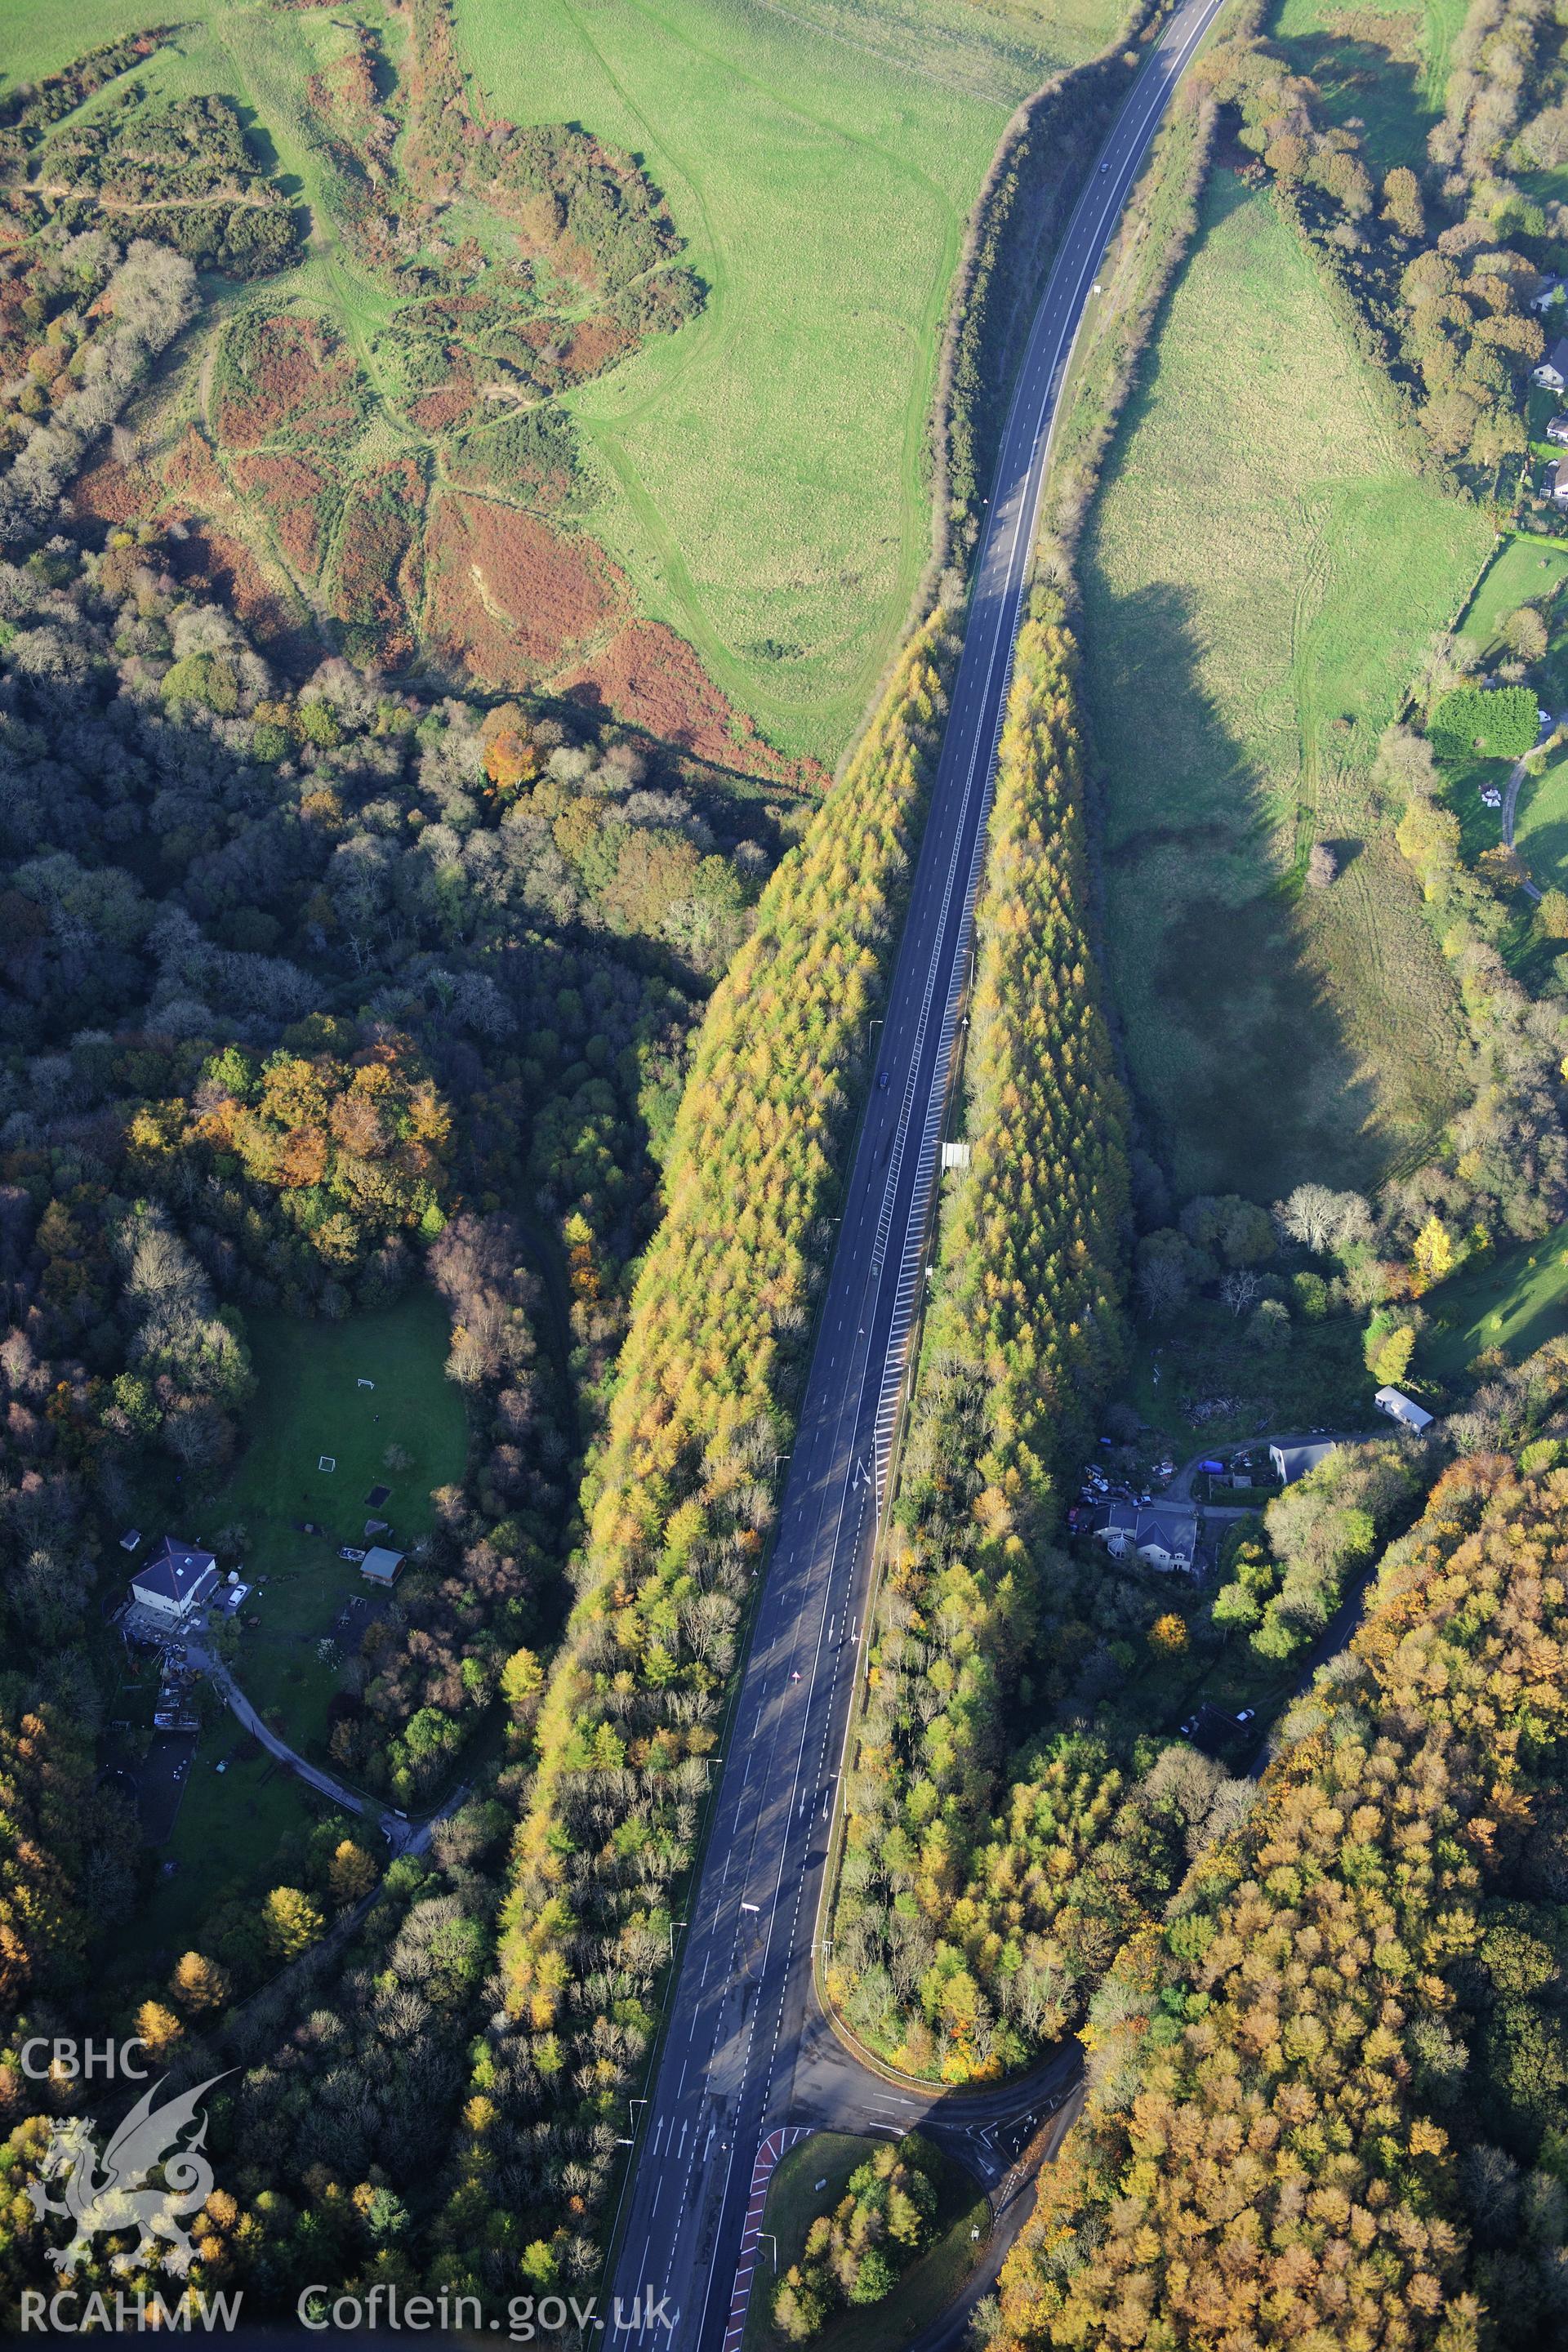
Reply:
x=193 y=472
x=289 y=494
x=379 y=536
x=651 y=678
x=508 y=599
x=113 y=493
x=278 y=371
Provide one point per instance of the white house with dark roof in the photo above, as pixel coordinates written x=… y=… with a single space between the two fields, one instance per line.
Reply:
x=176 y=1579
x=1162 y=1535
x=1553 y=369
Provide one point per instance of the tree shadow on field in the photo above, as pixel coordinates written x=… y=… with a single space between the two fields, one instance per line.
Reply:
x=1235 y=1046
x=1367 y=82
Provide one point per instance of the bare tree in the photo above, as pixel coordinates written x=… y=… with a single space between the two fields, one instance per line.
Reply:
x=1240 y=1288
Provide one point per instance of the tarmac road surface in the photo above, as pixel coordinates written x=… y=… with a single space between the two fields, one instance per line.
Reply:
x=746 y=2046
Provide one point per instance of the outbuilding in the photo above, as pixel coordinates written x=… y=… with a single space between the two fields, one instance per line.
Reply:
x=177 y=1579
x=1399 y=1407
x=382 y=1566
x=1293 y=1457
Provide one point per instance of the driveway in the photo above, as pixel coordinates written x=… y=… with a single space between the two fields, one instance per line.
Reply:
x=403 y=1835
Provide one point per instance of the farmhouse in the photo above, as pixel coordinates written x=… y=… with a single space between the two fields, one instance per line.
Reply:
x=1400 y=1407
x=1293 y=1457
x=177 y=1580
x=1553 y=369
x=1163 y=1537
x=380 y=1565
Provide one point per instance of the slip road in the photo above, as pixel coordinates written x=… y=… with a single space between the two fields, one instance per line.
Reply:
x=745 y=2049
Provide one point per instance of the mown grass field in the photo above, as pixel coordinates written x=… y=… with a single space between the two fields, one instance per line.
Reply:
x=762 y=468
x=1522 y=572
x=1264 y=570
x=927 y=2287
x=1383 y=65
x=1540 y=825
x=307 y=1405
x=1515 y=1300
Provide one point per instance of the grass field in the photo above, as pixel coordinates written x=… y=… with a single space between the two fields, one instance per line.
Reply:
x=1540 y=825
x=926 y=2288
x=307 y=1405
x=1383 y=66
x=1514 y=1299
x=762 y=468
x=766 y=462
x=1263 y=569
x=230 y=1827
x=1522 y=572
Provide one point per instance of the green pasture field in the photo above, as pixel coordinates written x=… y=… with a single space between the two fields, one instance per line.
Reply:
x=226 y=1838
x=764 y=465
x=1522 y=572
x=307 y=1405
x=1383 y=65
x=1515 y=1300
x=928 y=2286
x=1263 y=573
x=1540 y=825
x=761 y=478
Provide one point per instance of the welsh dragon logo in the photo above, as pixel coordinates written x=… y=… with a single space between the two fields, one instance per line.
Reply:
x=111 y=2193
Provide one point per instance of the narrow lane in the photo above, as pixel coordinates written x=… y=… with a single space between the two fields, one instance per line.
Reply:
x=746 y=2047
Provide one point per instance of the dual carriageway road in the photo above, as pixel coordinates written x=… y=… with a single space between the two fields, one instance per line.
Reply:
x=746 y=2047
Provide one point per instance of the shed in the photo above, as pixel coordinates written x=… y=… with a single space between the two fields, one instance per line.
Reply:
x=1293 y=1456
x=1399 y=1407
x=380 y=1566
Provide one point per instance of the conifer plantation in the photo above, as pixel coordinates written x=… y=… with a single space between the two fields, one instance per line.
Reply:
x=679 y=1502
x=1325 y=2093
x=943 y=1956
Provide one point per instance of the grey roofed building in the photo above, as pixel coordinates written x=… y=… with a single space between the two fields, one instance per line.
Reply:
x=1557 y=429
x=1293 y=1456
x=380 y=1565
x=176 y=1579
x=1554 y=481
x=1553 y=368
x=1164 y=1535
x=1399 y=1407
